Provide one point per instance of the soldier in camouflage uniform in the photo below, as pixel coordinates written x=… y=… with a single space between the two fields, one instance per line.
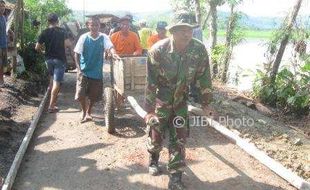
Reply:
x=173 y=64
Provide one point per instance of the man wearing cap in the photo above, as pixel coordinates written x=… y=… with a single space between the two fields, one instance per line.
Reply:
x=125 y=41
x=161 y=34
x=132 y=27
x=173 y=64
x=55 y=40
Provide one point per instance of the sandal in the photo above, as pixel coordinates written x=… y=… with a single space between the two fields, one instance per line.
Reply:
x=86 y=118
x=83 y=120
x=53 y=110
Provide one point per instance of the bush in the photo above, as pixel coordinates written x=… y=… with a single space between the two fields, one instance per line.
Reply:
x=33 y=60
x=217 y=56
x=291 y=91
x=263 y=89
x=217 y=53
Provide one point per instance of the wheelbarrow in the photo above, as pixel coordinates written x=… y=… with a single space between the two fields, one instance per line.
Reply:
x=128 y=76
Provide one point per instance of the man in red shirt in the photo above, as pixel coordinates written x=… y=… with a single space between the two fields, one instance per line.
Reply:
x=125 y=41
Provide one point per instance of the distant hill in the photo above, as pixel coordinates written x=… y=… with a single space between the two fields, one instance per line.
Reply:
x=250 y=22
x=257 y=23
x=78 y=15
x=262 y=23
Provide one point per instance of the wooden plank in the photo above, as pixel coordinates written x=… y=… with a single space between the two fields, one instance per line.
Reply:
x=119 y=76
x=23 y=147
x=132 y=75
x=127 y=74
x=139 y=87
x=120 y=91
x=140 y=69
x=127 y=87
x=140 y=80
x=140 y=73
x=136 y=107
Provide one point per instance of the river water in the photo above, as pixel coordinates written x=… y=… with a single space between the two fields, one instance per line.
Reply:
x=248 y=56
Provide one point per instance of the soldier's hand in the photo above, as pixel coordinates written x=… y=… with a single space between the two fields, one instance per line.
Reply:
x=149 y=117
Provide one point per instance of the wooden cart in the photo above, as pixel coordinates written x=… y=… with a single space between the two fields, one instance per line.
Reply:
x=128 y=74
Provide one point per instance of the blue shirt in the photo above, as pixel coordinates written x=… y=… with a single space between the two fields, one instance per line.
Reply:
x=91 y=54
x=3 y=37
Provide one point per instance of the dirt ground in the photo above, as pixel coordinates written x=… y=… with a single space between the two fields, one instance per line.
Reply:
x=284 y=138
x=67 y=155
x=19 y=101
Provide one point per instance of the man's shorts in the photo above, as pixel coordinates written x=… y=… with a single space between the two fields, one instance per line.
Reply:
x=3 y=57
x=56 y=68
x=92 y=88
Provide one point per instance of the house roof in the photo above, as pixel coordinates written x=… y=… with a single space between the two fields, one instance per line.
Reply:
x=105 y=18
x=9 y=6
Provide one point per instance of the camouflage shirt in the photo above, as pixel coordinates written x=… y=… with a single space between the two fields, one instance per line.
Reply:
x=169 y=74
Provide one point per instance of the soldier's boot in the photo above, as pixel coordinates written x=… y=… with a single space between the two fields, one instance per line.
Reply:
x=153 y=165
x=175 y=182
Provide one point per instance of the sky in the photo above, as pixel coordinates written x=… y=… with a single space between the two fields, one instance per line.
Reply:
x=270 y=7
x=250 y=7
x=124 y=5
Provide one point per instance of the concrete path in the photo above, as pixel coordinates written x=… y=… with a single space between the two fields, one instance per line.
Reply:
x=65 y=154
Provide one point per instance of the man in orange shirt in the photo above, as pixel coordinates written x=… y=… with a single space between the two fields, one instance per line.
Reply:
x=125 y=41
x=161 y=34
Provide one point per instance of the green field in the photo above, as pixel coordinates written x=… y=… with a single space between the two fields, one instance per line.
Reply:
x=258 y=34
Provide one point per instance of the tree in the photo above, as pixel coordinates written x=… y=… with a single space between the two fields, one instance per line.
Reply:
x=204 y=22
x=284 y=41
x=198 y=11
x=38 y=10
x=288 y=88
x=193 y=6
x=46 y=6
x=213 y=22
x=182 y=4
x=232 y=36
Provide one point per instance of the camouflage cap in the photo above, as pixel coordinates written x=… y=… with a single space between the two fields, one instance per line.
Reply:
x=181 y=19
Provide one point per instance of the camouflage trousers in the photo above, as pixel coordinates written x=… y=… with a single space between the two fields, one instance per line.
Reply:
x=177 y=140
